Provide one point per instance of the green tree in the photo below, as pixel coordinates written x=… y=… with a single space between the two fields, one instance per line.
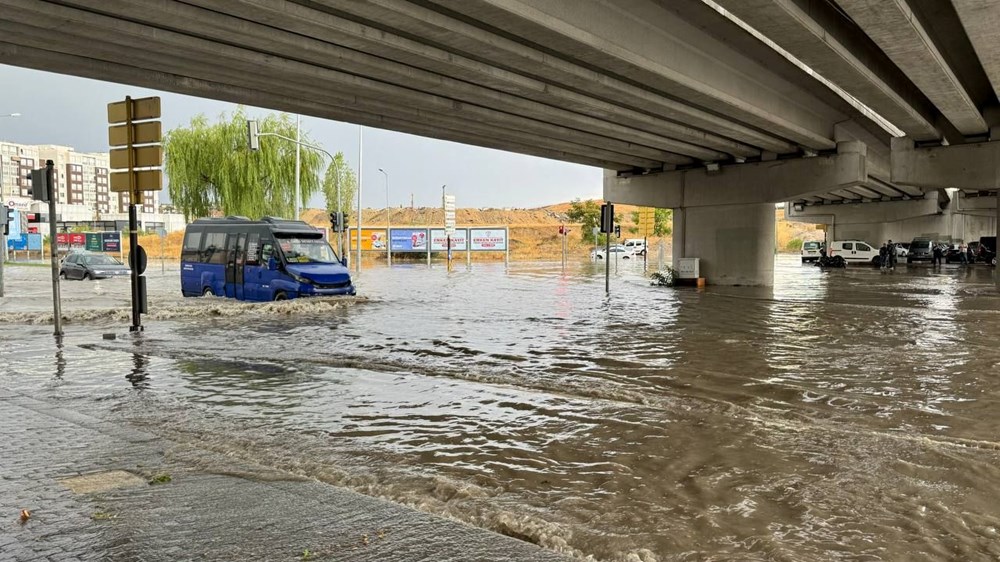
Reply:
x=663 y=222
x=588 y=214
x=338 y=173
x=211 y=168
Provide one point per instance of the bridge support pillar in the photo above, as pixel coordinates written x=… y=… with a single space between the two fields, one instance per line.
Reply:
x=734 y=242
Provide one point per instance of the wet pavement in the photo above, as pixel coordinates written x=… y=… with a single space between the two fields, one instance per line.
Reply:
x=841 y=415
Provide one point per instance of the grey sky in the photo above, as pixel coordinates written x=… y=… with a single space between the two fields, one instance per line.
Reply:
x=71 y=111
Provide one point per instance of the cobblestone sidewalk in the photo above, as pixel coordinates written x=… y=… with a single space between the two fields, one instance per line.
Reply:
x=97 y=491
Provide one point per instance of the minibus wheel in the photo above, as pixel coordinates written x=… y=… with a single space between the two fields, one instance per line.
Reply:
x=208 y=292
x=280 y=296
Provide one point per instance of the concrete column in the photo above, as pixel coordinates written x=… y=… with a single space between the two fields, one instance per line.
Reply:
x=679 y=228
x=735 y=242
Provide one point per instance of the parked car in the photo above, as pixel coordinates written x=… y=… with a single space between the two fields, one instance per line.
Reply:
x=953 y=254
x=637 y=246
x=854 y=251
x=902 y=248
x=810 y=251
x=921 y=249
x=85 y=265
x=618 y=251
x=988 y=250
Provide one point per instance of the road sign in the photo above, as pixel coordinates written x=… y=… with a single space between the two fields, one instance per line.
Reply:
x=142 y=109
x=143 y=157
x=142 y=133
x=449 y=214
x=647 y=221
x=145 y=180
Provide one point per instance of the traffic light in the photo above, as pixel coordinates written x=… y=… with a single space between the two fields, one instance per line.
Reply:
x=618 y=231
x=6 y=217
x=253 y=134
x=338 y=222
x=607 y=218
x=41 y=184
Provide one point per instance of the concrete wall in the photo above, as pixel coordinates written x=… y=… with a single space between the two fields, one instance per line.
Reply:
x=735 y=242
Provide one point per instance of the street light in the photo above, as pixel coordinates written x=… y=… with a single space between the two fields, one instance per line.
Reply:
x=388 y=237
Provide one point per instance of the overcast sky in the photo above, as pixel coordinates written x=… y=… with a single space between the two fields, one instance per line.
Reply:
x=72 y=111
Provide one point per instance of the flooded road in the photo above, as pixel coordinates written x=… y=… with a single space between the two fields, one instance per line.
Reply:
x=841 y=415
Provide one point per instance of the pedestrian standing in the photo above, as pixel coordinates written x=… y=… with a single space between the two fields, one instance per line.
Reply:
x=892 y=255
x=883 y=256
x=962 y=251
x=936 y=259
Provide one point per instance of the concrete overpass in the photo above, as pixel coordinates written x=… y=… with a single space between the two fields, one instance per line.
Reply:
x=683 y=106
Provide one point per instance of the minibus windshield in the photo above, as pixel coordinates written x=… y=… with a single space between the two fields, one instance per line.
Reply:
x=307 y=250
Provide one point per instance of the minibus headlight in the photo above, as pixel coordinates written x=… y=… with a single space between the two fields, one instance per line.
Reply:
x=300 y=279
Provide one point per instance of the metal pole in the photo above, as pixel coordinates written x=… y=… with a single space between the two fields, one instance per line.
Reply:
x=607 y=263
x=388 y=229
x=54 y=258
x=298 y=163
x=361 y=156
x=449 y=252
x=506 y=247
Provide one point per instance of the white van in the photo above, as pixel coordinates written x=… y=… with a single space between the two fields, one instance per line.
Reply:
x=854 y=251
x=636 y=246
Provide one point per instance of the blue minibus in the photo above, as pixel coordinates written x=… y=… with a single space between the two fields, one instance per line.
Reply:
x=267 y=260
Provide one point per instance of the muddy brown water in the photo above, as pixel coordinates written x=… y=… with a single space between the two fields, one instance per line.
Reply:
x=843 y=415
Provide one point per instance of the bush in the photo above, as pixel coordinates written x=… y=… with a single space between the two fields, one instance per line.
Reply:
x=794 y=245
x=663 y=278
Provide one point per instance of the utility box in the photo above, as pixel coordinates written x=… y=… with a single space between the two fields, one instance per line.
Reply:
x=688 y=268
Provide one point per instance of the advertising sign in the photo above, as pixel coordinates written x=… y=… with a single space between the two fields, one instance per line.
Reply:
x=35 y=242
x=93 y=242
x=371 y=239
x=111 y=241
x=15 y=225
x=71 y=239
x=488 y=239
x=18 y=243
x=439 y=240
x=409 y=239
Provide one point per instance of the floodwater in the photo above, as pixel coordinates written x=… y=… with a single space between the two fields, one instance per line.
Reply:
x=841 y=415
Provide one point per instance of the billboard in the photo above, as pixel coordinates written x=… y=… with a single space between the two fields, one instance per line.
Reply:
x=439 y=240
x=371 y=239
x=17 y=243
x=488 y=239
x=34 y=242
x=73 y=239
x=111 y=241
x=408 y=239
x=93 y=242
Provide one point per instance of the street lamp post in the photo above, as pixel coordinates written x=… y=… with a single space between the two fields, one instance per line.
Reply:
x=388 y=236
x=3 y=237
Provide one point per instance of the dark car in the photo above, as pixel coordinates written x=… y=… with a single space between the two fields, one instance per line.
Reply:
x=83 y=265
x=955 y=254
x=987 y=250
x=921 y=249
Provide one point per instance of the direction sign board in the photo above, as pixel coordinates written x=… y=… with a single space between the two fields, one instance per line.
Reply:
x=647 y=221
x=144 y=157
x=145 y=180
x=449 y=214
x=142 y=109
x=142 y=133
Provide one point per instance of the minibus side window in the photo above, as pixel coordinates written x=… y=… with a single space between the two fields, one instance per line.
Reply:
x=267 y=250
x=253 y=248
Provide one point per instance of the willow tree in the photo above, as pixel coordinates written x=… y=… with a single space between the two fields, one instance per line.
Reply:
x=211 y=168
x=339 y=175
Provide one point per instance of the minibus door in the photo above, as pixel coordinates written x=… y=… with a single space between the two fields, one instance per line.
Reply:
x=234 y=265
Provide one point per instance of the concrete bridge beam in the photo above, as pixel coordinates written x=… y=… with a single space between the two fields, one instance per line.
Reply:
x=965 y=166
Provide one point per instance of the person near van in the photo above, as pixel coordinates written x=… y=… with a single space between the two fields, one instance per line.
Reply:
x=962 y=252
x=937 y=255
x=883 y=255
x=891 y=255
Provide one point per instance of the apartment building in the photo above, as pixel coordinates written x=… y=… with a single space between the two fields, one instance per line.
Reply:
x=82 y=186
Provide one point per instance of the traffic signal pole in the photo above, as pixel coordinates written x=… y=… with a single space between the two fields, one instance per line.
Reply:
x=54 y=250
